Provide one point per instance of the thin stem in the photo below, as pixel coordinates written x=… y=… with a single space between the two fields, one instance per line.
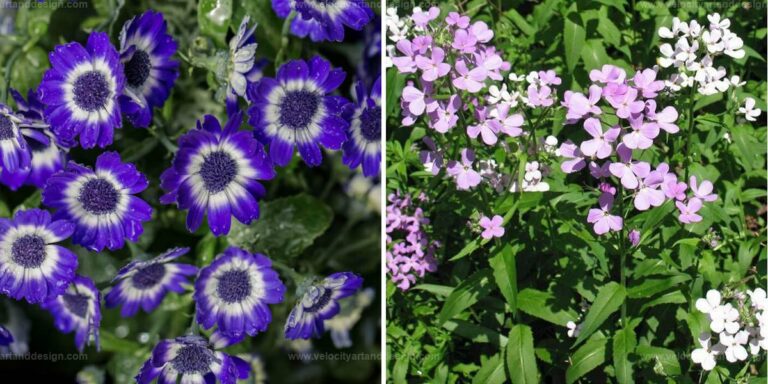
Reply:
x=622 y=258
x=284 y=42
x=689 y=132
x=292 y=274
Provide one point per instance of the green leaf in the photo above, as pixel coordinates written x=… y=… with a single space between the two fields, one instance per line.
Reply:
x=607 y=29
x=624 y=342
x=28 y=69
x=573 y=37
x=609 y=299
x=395 y=84
x=590 y=356
x=213 y=17
x=541 y=304
x=521 y=358
x=491 y=371
x=520 y=22
x=466 y=294
x=475 y=333
x=665 y=361
x=594 y=54
x=111 y=343
x=287 y=226
x=650 y=287
x=505 y=274
x=439 y=290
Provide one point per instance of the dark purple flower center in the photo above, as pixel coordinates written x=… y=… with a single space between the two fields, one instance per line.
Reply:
x=370 y=123
x=234 y=286
x=28 y=251
x=298 y=108
x=217 y=171
x=321 y=297
x=6 y=128
x=192 y=359
x=148 y=276
x=91 y=91
x=98 y=197
x=77 y=304
x=137 y=69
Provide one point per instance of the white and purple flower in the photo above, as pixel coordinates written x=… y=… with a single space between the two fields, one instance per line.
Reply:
x=320 y=302
x=364 y=141
x=324 y=20
x=77 y=309
x=14 y=152
x=243 y=68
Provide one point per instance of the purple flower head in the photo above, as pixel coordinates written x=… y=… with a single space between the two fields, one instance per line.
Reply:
x=664 y=119
x=505 y=123
x=363 y=145
x=579 y=105
x=539 y=96
x=576 y=161
x=422 y=44
x=483 y=128
x=481 y=31
x=457 y=19
x=418 y=101
x=464 y=41
x=549 y=77
x=648 y=192
x=14 y=150
x=642 y=133
x=626 y=103
x=445 y=116
x=608 y=74
x=432 y=159
x=405 y=64
x=321 y=21
x=78 y=309
x=600 y=171
x=101 y=202
x=600 y=144
x=320 y=302
x=422 y=18
x=602 y=219
x=468 y=80
x=645 y=82
x=703 y=191
x=466 y=177
x=689 y=212
x=627 y=170
x=433 y=68
x=492 y=227
x=490 y=64
x=218 y=171
x=410 y=254
x=32 y=265
x=144 y=284
x=672 y=188
x=634 y=237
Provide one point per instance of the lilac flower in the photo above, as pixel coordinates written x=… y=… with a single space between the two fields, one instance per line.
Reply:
x=101 y=202
x=416 y=100
x=539 y=96
x=674 y=189
x=468 y=80
x=575 y=161
x=549 y=77
x=492 y=227
x=463 y=41
x=422 y=18
x=626 y=103
x=648 y=193
x=602 y=219
x=489 y=64
x=483 y=127
x=405 y=64
x=579 y=106
x=664 y=119
x=444 y=117
x=505 y=123
x=627 y=170
x=634 y=237
x=433 y=68
x=608 y=74
x=320 y=302
x=642 y=134
x=466 y=177
x=32 y=266
x=481 y=32
x=600 y=144
x=600 y=171
x=432 y=159
x=410 y=253
x=689 y=211
x=78 y=309
x=456 y=19
x=703 y=191
x=645 y=82
x=606 y=187
x=144 y=284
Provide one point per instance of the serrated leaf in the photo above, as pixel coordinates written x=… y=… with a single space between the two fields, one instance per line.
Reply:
x=540 y=304
x=590 y=356
x=466 y=294
x=624 y=342
x=521 y=358
x=609 y=299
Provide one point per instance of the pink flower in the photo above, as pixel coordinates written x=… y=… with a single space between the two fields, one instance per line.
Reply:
x=505 y=123
x=664 y=119
x=421 y=18
x=600 y=171
x=481 y=32
x=674 y=189
x=489 y=63
x=433 y=68
x=492 y=227
x=579 y=105
x=688 y=212
x=463 y=41
x=648 y=193
x=607 y=188
x=444 y=117
x=549 y=77
x=634 y=237
x=642 y=134
x=466 y=177
x=484 y=128
x=600 y=145
x=608 y=74
x=539 y=96
x=421 y=44
x=470 y=81
x=416 y=100
x=405 y=64
x=432 y=159
x=626 y=104
x=645 y=81
x=627 y=170
x=703 y=191
x=458 y=20
x=571 y=151
x=602 y=219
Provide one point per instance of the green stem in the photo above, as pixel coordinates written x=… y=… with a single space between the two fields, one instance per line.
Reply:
x=292 y=274
x=622 y=258
x=689 y=132
x=279 y=58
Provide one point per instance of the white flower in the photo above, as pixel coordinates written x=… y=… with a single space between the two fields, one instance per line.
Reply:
x=724 y=318
x=734 y=345
x=749 y=111
x=516 y=78
x=716 y=23
x=705 y=356
x=733 y=45
x=736 y=81
x=499 y=95
x=758 y=299
x=573 y=329
x=710 y=303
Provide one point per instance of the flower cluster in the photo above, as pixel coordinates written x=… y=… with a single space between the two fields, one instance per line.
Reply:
x=694 y=53
x=737 y=325
x=621 y=117
x=410 y=253
x=323 y=20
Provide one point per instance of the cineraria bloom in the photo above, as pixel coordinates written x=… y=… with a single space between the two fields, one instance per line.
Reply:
x=47 y=157
x=145 y=51
x=14 y=151
x=31 y=265
x=78 y=309
x=192 y=359
x=242 y=67
x=81 y=91
x=689 y=211
x=492 y=227
x=602 y=219
x=217 y=171
x=145 y=283
x=294 y=110
x=324 y=20
x=364 y=143
x=6 y=338
x=100 y=202
x=466 y=177
x=234 y=291
x=600 y=144
x=320 y=302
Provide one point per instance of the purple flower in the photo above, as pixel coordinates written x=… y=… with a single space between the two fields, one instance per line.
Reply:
x=606 y=187
x=608 y=74
x=410 y=253
x=433 y=68
x=579 y=106
x=549 y=77
x=78 y=309
x=576 y=161
x=505 y=123
x=416 y=100
x=483 y=127
x=642 y=134
x=466 y=177
x=463 y=41
x=14 y=150
x=405 y=64
x=627 y=170
x=599 y=171
x=600 y=144
x=674 y=189
x=320 y=302
x=444 y=117
x=470 y=81
x=648 y=193
x=602 y=219
x=688 y=212
x=295 y=110
x=626 y=103
x=324 y=21
x=489 y=64
x=481 y=31
x=645 y=82
x=664 y=119
x=101 y=202
x=540 y=96
x=422 y=18
x=634 y=237
x=703 y=191
x=363 y=145
x=6 y=338
x=432 y=160
x=492 y=227
x=144 y=284
x=32 y=266
x=457 y=19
